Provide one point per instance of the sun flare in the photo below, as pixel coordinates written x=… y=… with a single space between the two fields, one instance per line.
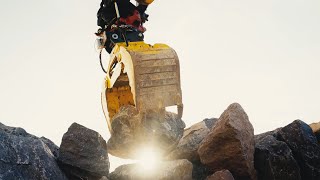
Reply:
x=148 y=158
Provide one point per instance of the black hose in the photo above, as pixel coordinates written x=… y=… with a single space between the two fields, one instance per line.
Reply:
x=101 y=62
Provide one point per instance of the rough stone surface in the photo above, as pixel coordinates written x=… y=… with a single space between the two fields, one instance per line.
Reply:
x=24 y=156
x=83 y=154
x=230 y=144
x=132 y=131
x=259 y=137
x=166 y=170
x=317 y=134
x=274 y=160
x=191 y=139
x=53 y=147
x=221 y=175
x=305 y=148
x=200 y=171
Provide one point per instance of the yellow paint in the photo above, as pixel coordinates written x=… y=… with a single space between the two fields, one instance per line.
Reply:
x=140 y=46
x=117 y=97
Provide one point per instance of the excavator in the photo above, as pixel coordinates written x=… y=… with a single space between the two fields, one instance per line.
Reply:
x=138 y=74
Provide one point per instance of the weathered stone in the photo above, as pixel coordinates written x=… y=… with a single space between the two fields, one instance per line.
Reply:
x=317 y=134
x=274 y=160
x=191 y=139
x=259 y=137
x=53 y=147
x=221 y=175
x=316 y=130
x=230 y=144
x=133 y=131
x=304 y=146
x=24 y=156
x=83 y=154
x=200 y=171
x=166 y=170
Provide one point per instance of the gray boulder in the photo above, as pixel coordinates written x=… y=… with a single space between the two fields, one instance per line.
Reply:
x=274 y=160
x=83 y=154
x=230 y=144
x=166 y=170
x=133 y=131
x=304 y=146
x=191 y=139
x=24 y=156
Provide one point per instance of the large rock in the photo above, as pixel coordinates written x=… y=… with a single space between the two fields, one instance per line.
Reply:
x=166 y=170
x=24 y=156
x=274 y=160
x=221 y=175
x=192 y=137
x=133 y=131
x=230 y=144
x=305 y=148
x=83 y=154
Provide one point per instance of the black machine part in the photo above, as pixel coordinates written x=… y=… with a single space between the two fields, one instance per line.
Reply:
x=122 y=34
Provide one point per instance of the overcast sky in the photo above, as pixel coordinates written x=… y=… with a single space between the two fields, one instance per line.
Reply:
x=263 y=54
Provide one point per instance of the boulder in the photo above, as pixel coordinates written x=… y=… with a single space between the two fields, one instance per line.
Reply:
x=83 y=154
x=165 y=170
x=304 y=146
x=191 y=139
x=273 y=160
x=221 y=175
x=230 y=144
x=133 y=131
x=24 y=156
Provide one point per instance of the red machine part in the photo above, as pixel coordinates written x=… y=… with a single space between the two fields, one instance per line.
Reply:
x=134 y=20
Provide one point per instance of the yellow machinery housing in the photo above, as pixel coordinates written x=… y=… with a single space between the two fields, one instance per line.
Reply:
x=142 y=75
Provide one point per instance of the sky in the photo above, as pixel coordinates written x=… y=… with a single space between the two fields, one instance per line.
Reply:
x=263 y=54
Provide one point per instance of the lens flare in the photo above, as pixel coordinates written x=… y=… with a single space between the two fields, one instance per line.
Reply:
x=148 y=158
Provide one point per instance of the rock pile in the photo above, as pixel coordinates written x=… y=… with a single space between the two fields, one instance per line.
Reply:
x=213 y=149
